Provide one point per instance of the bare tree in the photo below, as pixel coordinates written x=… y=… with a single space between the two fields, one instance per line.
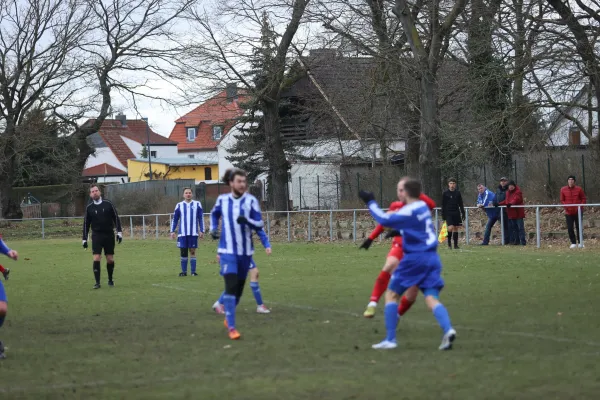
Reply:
x=38 y=65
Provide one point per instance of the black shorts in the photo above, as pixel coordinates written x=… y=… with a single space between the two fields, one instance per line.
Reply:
x=454 y=219
x=104 y=241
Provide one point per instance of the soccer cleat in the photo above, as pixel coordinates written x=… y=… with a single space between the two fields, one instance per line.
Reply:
x=182 y=274
x=573 y=246
x=456 y=247
x=448 y=339
x=234 y=334
x=262 y=309
x=581 y=246
x=111 y=284
x=219 y=308
x=385 y=345
x=194 y=274
x=2 y=356
x=5 y=273
x=369 y=312
x=97 y=286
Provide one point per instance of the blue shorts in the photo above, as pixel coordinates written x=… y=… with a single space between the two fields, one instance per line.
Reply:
x=187 y=242
x=232 y=264
x=423 y=270
x=252 y=263
x=3 y=294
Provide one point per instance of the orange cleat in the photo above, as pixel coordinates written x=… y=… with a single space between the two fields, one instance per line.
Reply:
x=234 y=334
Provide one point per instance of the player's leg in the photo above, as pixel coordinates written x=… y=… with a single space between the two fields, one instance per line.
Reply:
x=3 y=311
x=4 y=272
x=383 y=280
x=183 y=255
x=97 y=257
x=109 y=252
x=390 y=312
x=229 y=271
x=457 y=222
x=441 y=315
x=408 y=299
x=450 y=233
x=254 y=285
x=192 y=252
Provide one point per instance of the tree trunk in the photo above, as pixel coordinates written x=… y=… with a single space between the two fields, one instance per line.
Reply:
x=412 y=152
x=429 y=157
x=276 y=159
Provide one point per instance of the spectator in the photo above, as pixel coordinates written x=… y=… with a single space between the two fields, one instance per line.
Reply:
x=516 y=215
x=501 y=196
x=486 y=200
x=572 y=194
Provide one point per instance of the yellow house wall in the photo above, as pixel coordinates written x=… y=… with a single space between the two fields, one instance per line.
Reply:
x=136 y=171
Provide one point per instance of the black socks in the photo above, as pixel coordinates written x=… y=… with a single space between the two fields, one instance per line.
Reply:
x=97 y=271
x=110 y=267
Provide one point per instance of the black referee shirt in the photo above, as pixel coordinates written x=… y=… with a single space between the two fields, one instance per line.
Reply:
x=102 y=216
x=452 y=203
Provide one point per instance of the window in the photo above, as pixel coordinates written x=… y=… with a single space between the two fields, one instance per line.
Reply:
x=191 y=134
x=217 y=132
x=207 y=174
x=153 y=154
x=191 y=156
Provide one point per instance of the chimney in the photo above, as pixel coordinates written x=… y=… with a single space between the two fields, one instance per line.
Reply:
x=231 y=91
x=122 y=118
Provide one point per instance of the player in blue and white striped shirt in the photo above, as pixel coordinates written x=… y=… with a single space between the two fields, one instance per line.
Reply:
x=4 y=249
x=240 y=215
x=189 y=215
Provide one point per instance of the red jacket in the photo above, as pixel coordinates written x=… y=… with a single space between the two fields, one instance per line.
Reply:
x=395 y=206
x=572 y=195
x=514 y=198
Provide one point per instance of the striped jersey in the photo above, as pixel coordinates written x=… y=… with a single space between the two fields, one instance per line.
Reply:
x=189 y=218
x=236 y=238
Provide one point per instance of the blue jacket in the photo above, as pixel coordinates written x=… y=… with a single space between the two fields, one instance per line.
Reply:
x=488 y=198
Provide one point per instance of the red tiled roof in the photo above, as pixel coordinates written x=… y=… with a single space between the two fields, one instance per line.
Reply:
x=215 y=111
x=103 y=169
x=135 y=129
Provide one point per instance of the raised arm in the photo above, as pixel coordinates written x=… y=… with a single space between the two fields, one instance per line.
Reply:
x=388 y=220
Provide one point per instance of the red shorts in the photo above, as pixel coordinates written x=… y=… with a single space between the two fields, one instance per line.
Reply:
x=396 y=251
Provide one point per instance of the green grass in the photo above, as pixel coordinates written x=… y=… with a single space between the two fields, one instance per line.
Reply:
x=527 y=325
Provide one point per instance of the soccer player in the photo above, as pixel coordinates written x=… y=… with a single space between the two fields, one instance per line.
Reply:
x=240 y=214
x=102 y=216
x=4 y=249
x=190 y=213
x=420 y=266
x=453 y=211
x=4 y=272
x=391 y=262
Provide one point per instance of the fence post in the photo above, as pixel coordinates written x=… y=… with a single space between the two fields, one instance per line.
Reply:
x=268 y=226
x=157 y=226
x=318 y=194
x=309 y=227
x=437 y=222
x=300 y=193
x=288 y=226
x=538 y=234
x=331 y=225
x=467 y=225
x=580 y=218
x=583 y=170
x=354 y=225
x=502 y=226
x=131 y=227
x=43 y=229
x=337 y=191
x=143 y=227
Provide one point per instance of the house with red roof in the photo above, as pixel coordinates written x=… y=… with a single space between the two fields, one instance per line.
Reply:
x=119 y=140
x=199 y=132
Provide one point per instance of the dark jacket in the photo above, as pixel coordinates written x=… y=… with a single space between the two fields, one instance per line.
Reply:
x=572 y=195
x=452 y=203
x=514 y=198
x=102 y=217
x=501 y=193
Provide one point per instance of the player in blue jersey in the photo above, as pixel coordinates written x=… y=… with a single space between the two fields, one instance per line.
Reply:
x=4 y=249
x=189 y=215
x=239 y=214
x=420 y=266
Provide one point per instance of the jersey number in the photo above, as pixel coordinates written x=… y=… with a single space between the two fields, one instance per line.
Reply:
x=430 y=233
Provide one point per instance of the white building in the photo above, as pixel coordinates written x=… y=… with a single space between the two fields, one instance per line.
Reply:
x=565 y=132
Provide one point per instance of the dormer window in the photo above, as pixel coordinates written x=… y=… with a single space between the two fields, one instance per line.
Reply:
x=191 y=134
x=217 y=132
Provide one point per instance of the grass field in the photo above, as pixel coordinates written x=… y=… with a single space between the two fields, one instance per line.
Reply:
x=527 y=323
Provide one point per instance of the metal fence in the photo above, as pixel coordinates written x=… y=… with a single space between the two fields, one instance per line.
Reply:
x=320 y=225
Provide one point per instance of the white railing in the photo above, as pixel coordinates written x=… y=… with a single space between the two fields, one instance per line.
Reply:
x=268 y=215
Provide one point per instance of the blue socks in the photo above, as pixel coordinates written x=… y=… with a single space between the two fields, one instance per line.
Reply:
x=256 y=292
x=193 y=264
x=229 y=303
x=390 y=313
x=184 y=264
x=441 y=314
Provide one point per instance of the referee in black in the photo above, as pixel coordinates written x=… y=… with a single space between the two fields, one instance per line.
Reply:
x=102 y=216
x=453 y=211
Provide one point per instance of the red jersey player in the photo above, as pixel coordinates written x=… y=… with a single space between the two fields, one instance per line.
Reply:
x=4 y=272
x=391 y=262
